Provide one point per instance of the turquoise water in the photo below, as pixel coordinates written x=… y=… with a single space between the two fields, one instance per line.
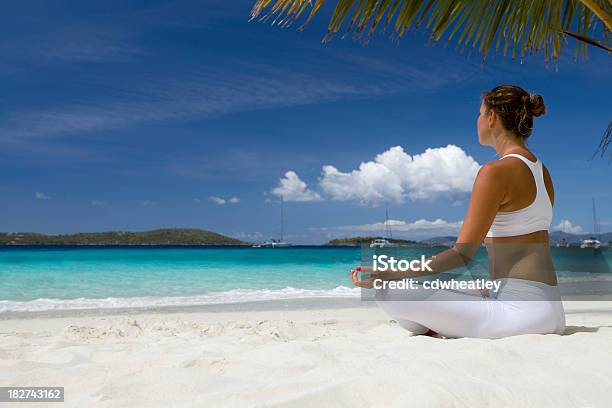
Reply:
x=68 y=277
x=35 y=278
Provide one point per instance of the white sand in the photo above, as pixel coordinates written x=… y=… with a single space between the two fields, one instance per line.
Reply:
x=327 y=357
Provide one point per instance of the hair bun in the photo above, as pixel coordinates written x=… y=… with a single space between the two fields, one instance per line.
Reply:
x=515 y=107
x=536 y=105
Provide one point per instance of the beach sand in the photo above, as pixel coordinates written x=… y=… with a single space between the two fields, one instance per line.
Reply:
x=300 y=354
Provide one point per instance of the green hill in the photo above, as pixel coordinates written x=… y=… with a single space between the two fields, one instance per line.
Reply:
x=358 y=241
x=174 y=236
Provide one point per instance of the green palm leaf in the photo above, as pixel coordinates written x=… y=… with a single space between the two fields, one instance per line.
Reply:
x=605 y=143
x=518 y=26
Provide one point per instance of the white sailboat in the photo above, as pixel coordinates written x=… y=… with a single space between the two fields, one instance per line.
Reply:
x=382 y=242
x=592 y=242
x=276 y=243
x=563 y=243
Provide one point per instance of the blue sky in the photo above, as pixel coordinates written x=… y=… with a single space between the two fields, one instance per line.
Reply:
x=145 y=114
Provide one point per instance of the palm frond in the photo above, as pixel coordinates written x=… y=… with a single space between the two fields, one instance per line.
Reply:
x=515 y=26
x=589 y=40
x=605 y=143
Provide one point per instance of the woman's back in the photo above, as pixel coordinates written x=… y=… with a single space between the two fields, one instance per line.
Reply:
x=517 y=241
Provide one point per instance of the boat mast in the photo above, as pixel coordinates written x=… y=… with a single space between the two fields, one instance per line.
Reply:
x=563 y=227
x=595 y=226
x=387 y=225
x=282 y=227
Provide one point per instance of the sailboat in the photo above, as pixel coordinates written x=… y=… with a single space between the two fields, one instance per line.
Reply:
x=592 y=242
x=563 y=243
x=276 y=243
x=382 y=242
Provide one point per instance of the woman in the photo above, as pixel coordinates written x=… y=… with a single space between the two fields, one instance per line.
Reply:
x=510 y=210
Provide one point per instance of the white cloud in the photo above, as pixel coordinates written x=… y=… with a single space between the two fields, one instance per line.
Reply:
x=97 y=203
x=422 y=225
x=148 y=203
x=395 y=175
x=567 y=226
x=41 y=196
x=222 y=201
x=217 y=200
x=291 y=188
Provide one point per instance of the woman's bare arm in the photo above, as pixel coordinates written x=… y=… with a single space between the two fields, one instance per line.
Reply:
x=487 y=195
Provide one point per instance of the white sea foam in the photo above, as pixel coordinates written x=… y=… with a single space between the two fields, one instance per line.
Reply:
x=231 y=296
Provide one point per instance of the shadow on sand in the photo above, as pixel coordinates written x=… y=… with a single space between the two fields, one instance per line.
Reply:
x=569 y=330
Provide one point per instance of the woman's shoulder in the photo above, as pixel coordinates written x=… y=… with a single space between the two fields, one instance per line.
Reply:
x=502 y=170
x=496 y=166
x=495 y=171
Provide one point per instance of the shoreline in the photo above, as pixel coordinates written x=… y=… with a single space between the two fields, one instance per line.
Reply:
x=303 y=304
x=596 y=291
x=273 y=305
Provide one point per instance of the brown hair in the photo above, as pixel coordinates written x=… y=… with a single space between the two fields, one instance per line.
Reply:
x=515 y=107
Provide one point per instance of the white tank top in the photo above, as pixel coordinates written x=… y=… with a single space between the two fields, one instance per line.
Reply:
x=537 y=216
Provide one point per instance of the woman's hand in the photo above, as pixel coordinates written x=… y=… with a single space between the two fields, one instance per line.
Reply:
x=366 y=283
x=369 y=282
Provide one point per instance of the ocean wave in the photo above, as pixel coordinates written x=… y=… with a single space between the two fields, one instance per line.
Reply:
x=231 y=296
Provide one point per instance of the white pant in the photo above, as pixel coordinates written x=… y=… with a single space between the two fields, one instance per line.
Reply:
x=519 y=307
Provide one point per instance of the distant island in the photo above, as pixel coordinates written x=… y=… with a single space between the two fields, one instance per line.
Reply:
x=358 y=241
x=448 y=241
x=575 y=239
x=170 y=236
x=191 y=236
x=555 y=238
